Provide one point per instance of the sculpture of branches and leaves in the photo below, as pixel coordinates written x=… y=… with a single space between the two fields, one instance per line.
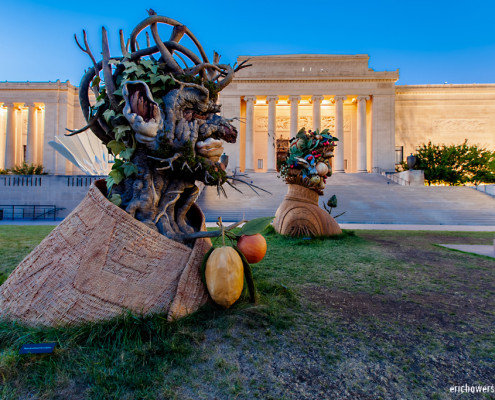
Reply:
x=308 y=161
x=156 y=110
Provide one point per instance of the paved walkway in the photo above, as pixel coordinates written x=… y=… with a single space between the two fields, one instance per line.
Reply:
x=486 y=250
x=385 y=227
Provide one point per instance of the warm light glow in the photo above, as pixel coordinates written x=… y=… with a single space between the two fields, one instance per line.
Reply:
x=304 y=102
x=283 y=103
x=326 y=102
x=260 y=103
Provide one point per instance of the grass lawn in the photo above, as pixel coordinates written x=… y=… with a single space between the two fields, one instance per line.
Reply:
x=373 y=315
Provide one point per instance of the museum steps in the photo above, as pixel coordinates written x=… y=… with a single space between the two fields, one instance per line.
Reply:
x=365 y=198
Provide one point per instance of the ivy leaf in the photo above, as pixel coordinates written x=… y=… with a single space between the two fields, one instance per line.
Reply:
x=108 y=114
x=110 y=182
x=100 y=103
x=116 y=199
x=118 y=92
x=117 y=176
x=117 y=164
x=154 y=68
x=127 y=154
x=114 y=62
x=130 y=67
x=140 y=71
x=154 y=79
x=255 y=226
x=96 y=81
x=147 y=63
x=166 y=78
x=129 y=168
x=116 y=147
x=120 y=131
x=119 y=80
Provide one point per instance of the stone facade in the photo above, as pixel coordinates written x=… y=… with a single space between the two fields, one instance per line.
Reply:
x=374 y=119
x=444 y=114
x=280 y=94
x=31 y=115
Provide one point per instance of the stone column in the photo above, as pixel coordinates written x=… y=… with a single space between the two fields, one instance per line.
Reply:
x=31 y=134
x=231 y=108
x=294 y=115
x=316 y=100
x=3 y=120
x=40 y=112
x=361 y=133
x=249 y=133
x=272 y=132
x=10 y=139
x=339 y=132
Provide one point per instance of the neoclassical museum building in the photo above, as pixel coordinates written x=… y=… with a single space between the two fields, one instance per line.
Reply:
x=378 y=123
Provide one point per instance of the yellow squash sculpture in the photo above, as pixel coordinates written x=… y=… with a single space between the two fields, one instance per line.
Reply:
x=224 y=275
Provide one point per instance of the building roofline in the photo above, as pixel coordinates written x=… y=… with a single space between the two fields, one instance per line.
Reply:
x=278 y=57
x=446 y=85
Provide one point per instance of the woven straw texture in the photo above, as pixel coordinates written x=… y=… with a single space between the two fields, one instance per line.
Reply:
x=300 y=215
x=99 y=263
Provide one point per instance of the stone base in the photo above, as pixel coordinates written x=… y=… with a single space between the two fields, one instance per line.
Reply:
x=99 y=263
x=300 y=215
x=414 y=177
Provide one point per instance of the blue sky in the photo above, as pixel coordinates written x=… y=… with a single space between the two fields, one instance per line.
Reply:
x=429 y=42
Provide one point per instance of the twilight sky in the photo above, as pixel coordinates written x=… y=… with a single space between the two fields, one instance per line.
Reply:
x=430 y=42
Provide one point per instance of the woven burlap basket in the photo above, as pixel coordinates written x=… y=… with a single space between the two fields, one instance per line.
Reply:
x=99 y=263
x=300 y=215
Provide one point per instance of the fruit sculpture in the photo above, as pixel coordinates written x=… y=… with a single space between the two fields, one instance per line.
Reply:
x=253 y=247
x=225 y=267
x=308 y=161
x=306 y=170
x=224 y=275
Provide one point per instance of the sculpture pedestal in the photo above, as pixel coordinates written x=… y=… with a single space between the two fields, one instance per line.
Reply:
x=300 y=215
x=99 y=263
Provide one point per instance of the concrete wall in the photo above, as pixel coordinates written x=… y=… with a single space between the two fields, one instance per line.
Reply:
x=60 y=191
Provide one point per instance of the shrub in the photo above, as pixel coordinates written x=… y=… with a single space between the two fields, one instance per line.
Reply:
x=456 y=164
x=28 y=169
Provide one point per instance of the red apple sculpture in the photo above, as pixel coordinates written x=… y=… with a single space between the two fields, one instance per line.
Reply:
x=253 y=247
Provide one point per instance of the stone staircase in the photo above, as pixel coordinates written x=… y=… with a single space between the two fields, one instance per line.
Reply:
x=366 y=199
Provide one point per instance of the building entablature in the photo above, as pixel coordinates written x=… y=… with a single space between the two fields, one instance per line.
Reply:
x=41 y=92
x=311 y=67
x=474 y=92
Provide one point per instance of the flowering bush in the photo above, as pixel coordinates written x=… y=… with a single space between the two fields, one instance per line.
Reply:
x=308 y=161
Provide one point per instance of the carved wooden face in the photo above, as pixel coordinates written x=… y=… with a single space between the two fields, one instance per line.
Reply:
x=185 y=115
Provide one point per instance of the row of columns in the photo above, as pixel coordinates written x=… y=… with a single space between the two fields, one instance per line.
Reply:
x=13 y=135
x=338 y=163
